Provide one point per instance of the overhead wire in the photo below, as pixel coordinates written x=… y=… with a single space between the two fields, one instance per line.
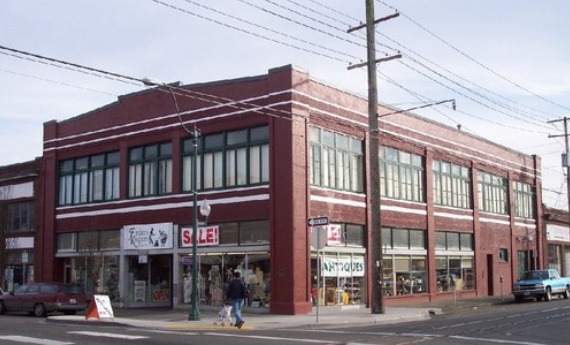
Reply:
x=219 y=22
x=474 y=60
x=245 y=21
x=441 y=76
x=57 y=82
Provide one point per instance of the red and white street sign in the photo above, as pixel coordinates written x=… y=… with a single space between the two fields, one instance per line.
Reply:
x=207 y=236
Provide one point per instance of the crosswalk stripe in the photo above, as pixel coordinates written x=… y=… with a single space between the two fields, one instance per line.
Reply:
x=109 y=335
x=29 y=340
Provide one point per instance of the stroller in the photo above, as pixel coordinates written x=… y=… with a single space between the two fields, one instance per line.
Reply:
x=225 y=315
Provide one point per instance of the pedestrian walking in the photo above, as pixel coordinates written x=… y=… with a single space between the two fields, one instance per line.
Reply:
x=237 y=292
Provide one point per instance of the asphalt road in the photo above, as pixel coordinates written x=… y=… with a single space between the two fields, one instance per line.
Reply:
x=529 y=323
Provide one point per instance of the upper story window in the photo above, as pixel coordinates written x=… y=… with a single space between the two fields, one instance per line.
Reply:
x=492 y=193
x=21 y=216
x=453 y=241
x=150 y=170
x=524 y=199
x=89 y=179
x=401 y=175
x=404 y=239
x=228 y=159
x=451 y=185
x=336 y=161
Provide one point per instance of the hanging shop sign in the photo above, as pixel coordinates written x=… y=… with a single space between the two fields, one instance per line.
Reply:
x=207 y=236
x=333 y=267
x=148 y=236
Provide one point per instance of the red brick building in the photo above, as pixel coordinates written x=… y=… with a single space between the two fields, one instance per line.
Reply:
x=275 y=150
x=20 y=222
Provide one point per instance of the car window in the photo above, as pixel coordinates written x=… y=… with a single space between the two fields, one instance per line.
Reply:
x=33 y=289
x=72 y=289
x=21 y=289
x=48 y=289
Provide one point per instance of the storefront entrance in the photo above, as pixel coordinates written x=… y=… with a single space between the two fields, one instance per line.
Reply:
x=149 y=281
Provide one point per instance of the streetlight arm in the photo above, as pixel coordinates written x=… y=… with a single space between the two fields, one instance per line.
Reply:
x=160 y=83
x=153 y=82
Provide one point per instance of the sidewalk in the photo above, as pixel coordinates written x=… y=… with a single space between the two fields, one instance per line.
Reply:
x=177 y=319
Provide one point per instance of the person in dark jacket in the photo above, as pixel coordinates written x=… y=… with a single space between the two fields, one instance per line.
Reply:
x=236 y=293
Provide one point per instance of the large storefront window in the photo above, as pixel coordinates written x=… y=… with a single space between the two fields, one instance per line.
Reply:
x=454 y=273
x=92 y=260
x=454 y=261
x=343 y=278
x=404 y=261
x=215 y=271
x=96 y=273
x=404 y=274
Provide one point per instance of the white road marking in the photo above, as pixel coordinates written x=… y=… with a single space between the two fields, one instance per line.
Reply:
x=498 y=341
x=29 y=340
x=109 y=335
x=316 y=341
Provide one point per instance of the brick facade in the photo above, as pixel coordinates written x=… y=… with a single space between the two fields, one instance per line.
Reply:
x=288 y=101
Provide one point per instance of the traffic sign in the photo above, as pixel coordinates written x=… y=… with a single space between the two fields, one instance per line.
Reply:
x=319 y=236
x=315 y=221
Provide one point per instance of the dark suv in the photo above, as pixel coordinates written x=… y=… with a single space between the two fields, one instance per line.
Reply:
x=40 y=299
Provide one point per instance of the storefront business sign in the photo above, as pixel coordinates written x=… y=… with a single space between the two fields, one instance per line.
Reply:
x=343 y=267
x=207 y=236
x=148 y=236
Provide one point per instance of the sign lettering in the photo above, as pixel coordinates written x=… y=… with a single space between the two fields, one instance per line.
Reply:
x=207 y=236
x=343 y=267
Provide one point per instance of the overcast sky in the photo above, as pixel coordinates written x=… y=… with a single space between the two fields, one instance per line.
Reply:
x=506 y=63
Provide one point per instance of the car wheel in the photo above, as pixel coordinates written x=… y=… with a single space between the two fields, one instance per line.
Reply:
x=548 y=295
x=518 y=299
x=566 y=293
x=39 y=310
x=2 y=308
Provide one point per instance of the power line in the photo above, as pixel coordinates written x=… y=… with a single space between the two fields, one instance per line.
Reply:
x=68 y=65
x=475 y=61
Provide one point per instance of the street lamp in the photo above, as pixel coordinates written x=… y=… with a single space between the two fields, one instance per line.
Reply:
x=194 y=314
x=205 y=210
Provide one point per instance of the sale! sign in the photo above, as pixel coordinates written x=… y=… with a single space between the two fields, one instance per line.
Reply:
x=334 y=234
x=207 y=236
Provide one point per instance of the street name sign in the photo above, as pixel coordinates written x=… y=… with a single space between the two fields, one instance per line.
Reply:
x=316 y=221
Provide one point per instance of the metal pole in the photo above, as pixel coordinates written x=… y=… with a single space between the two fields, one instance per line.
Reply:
x=195 y=312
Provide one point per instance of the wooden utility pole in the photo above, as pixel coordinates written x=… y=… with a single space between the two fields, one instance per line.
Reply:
x=565 y=160
x=373 y=176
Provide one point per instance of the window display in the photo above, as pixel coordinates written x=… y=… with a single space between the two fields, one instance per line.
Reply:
x=342 y=279
x=215 y=271
x=404 y=275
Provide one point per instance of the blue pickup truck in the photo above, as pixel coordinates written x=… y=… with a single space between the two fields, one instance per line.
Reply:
x=541 y=284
